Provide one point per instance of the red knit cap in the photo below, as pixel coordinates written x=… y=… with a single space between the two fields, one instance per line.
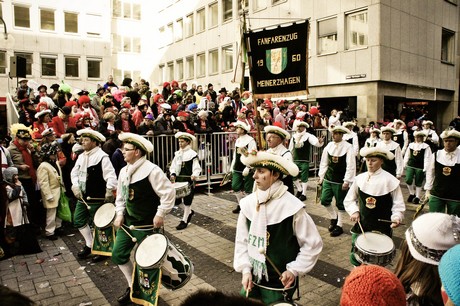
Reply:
x=372 y=285
x=71 y=103
x=83 y=99
x=174 y=84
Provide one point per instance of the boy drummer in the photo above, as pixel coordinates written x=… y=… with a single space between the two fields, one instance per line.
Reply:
x=375 y=195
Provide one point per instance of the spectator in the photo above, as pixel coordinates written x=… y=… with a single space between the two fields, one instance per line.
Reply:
x=63 y=121
x=449 y=271
x=43 y=122
x=124 y=123
x=164 y=124
x=96 y=101
x=202 y=125
x=334 y=119
x=198 y=94
x=182 y=124
x=110 y=84
x=26 y=112
x=166 y=92
x=147 y=127
x=211 y=93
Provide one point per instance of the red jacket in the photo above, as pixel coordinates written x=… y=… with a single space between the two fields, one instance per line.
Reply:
x=59 y=126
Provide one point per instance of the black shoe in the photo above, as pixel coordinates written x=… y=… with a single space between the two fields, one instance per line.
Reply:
x=181 y=225
x=411 y=198
x=51 y=237
x=298 y=194
x=98 y=258
x=302 y=198
x=332 y=225
x=59 y=231
x=337 y=231
x=416 y=200
x=236 y=210
x=189 y=218
x=124 y=298
x=84 y=253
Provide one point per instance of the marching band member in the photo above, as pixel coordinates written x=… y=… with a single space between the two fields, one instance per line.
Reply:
x=351 y=138
x=400 y=135
x=374 y=195
x=443 y=175
x=300 y=146
x=185 y=167
x=92 y=170
x=276 y=241
x=416 y=161
x=336 y=173
x=242 y=181
x=394 y=166
x=432 y=138
x=145 y=197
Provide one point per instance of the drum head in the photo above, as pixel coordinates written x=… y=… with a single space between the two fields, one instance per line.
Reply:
x=151 y=251
x=104 y=215
x=375 y=243
x=179 y=185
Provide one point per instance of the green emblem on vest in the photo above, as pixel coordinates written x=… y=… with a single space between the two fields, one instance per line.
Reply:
x=415 y=153
x=276 y=60
x=371 y=202
x=131 y=194
x=335 y=159
x=395 y=138
x=446 y=171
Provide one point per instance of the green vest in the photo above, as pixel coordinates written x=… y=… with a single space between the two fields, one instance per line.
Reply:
x=336 y=169
x=303 y=153
x=282 y=248
x=238 y=166
x=390 y=165
x=416 y=158
x=372 y=208
x=186 y=171
x=445 y=183
x=142 y=203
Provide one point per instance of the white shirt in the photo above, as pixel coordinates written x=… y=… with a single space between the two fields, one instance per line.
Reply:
x=339 y=149
x=281 y=151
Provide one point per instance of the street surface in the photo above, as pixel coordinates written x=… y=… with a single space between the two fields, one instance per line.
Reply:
x=57 y=277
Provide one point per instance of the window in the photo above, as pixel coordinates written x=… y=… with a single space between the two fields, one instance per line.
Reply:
x=357 y=30
x=136 y=44
x=94 y=68
x=227 y=58
x=70 y=22
x=275 y=2
x=2 y=62
x=201 y=65
x=213 y=15
x=48 y=65
x=116 y=41
x=178 y=32
x=126 y=10
x=190 y=65
x=136 y=11
x=259 y=4
x=227 y=10
x=327 y=36
x=180 y=70
x=126 y=44
x=117 y=74
x=170 y=71
x=200 y=20
x=93 y=24
x=71 y=67
x=169 y=34
x=447 y=46
x=47 y=20
x=246 y=5
x=21 y=17
x=116 y=8
x=29 y=61
x=189 y=25
x=213 y=62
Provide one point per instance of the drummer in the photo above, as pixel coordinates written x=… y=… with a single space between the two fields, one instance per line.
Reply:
x=92 y=170
x=375 y=195
x=146 y=196
x=185 y=167
x=274 y=222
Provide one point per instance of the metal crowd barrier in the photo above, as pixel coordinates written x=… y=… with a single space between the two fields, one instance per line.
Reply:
x=215 y=153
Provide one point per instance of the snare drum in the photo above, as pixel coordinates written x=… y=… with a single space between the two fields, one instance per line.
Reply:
x=151 y=252
x=374 y=248
x=282 y=303
x=104 y=216
x=176 y=270
x=183 y=189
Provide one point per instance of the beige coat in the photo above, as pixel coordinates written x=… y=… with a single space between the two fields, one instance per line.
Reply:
x=50 y=184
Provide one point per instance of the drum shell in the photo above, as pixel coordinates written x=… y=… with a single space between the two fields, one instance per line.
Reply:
x=183 y=189
x=282 y=303
x=376 y=257
x=177 y=269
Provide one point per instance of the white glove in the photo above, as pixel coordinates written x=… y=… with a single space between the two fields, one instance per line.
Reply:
x=109 y=198
x=50 y=199
x=427 y=195
x=246 y=171
x=76 y=191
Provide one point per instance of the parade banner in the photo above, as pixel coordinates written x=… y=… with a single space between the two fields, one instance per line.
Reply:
x=279 y=61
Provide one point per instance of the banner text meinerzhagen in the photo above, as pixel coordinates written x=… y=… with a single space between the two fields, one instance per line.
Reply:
x=278 y=82
x=277 y=39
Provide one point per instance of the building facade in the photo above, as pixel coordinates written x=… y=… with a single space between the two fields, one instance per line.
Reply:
x=376 y=59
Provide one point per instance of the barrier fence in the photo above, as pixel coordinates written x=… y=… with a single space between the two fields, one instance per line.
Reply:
x=215 y=153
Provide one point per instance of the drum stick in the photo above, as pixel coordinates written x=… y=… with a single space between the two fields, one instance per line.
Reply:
x=133 y=239
x=389 y=221
x=262 y=251
x=95 y=199
x=83 y=201
x=133 y=227
x=364 y=235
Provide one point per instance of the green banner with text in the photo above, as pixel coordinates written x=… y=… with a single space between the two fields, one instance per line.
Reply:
x=279 y=61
